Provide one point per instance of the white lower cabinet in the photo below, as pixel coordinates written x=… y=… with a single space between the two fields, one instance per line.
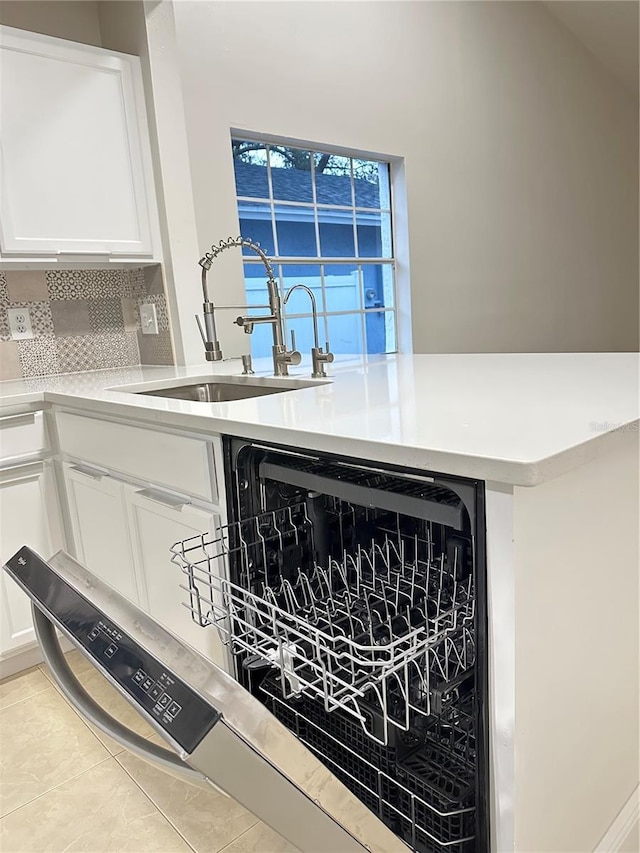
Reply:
x=158 y=520
x=28 y=516
x=100 y=526
x=123 y=534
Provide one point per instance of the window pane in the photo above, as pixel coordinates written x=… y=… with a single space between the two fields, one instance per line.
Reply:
x=367 y=176
x=336 y=233
x=250 y=167
x=296 y=231
x=291 y=174
x=255 y=283
x=345 y=333
x=374 y=235
x=255 y=224
x=377 y=285
x=299 y=302
x=261 y=341
x=303 y=329
x=333 y=179
x=380 y=331
x=342 y=288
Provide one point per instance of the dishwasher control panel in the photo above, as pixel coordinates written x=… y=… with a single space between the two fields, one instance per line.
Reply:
x=178 y=709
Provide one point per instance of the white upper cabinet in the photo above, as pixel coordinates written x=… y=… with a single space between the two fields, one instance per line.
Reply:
x=75 y=163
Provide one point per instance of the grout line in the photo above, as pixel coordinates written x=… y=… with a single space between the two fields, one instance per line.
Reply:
x=24 y=698
x=86 y=723
x=244 y=832
x=151 y=800
x=55 y=787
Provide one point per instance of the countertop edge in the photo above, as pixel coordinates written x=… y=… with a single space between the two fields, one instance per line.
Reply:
x=489 y=469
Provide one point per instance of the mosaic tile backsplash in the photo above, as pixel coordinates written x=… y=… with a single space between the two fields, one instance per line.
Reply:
x=82 y=320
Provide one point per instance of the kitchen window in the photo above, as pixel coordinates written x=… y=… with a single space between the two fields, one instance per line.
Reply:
x=325 y=220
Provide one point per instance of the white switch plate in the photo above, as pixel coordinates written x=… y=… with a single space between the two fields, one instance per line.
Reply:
x=149 y=319
x=20 y=323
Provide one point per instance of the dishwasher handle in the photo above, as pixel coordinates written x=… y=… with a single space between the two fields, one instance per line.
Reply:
x=91 y=711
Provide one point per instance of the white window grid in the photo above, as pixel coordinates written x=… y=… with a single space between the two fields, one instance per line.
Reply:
x=280 y=262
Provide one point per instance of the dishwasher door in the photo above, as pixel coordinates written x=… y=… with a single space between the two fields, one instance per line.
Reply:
x=219 y=734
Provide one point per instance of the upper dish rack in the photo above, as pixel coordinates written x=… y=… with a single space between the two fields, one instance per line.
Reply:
x=387 y=628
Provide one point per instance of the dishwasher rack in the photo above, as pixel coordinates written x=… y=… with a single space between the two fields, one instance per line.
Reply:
x=425 y=794
x=384 y=634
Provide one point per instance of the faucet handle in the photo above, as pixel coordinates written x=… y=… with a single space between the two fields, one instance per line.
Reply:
x=293 y=340
x=201 y=330
x=319 y=359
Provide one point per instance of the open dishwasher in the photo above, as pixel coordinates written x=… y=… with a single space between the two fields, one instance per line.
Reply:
x=353 y=601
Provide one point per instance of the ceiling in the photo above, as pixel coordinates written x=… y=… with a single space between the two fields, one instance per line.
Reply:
x=609 y=28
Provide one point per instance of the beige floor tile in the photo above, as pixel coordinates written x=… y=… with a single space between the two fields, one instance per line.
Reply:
x=113 y=747
x=108 y=698
x=100 y=811
x=76 y=660
x=207 y=820
x=260 y=839
x=42 y=744
x=17 y=687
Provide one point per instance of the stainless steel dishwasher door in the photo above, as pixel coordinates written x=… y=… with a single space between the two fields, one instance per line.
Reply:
x=219 y=734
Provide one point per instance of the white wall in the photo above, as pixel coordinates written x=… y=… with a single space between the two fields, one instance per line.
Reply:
x=520 y=150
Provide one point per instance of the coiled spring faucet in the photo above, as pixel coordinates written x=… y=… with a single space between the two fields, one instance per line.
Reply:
x=282 y=357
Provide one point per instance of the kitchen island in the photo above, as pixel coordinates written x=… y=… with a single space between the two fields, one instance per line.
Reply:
x=554 y=439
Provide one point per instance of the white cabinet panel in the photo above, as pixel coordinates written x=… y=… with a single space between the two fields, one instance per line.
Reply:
x=178 y=462
x=100 y=527
x=28 y=516
x=75 y=168
x=155 y=526
x=22 y=434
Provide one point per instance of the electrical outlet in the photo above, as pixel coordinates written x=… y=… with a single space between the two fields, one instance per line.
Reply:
x=149 y=319
x=20 y=323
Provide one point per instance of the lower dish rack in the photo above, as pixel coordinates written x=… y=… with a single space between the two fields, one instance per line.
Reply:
x=388 y=625
x=424 y=792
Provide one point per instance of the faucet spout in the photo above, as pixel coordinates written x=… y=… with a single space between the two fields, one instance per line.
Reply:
x=318 y=357
x=314 y=308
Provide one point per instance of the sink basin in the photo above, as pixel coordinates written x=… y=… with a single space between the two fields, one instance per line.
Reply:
x=228 y=388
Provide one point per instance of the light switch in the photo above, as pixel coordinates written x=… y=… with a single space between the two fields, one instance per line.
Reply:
x=149 y=319
x=20 y=323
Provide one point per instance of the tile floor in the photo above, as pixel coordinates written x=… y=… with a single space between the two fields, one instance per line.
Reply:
x=64 y=786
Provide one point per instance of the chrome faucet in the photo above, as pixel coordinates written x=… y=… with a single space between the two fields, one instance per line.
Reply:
x=282 y=357
x=318 y=357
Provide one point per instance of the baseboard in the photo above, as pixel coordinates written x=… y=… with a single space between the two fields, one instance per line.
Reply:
x=623 y=828
x=27 y=657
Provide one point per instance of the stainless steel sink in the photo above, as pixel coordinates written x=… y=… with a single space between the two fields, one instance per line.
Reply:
x=228 y=388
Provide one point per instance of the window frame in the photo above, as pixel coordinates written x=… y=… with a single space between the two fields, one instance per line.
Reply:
x=322 y=262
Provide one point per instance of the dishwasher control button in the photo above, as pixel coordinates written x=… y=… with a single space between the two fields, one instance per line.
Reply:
x=174 y=709
x=111 y=650
x=164 y=700
x=94 y=633
x=139 y=677
x=146 y=684
x=156 y=691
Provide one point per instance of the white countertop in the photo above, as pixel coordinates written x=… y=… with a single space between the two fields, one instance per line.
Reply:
x=518 y=419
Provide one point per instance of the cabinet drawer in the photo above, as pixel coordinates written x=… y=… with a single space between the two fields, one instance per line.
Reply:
x=178 y=462
x=21 y=435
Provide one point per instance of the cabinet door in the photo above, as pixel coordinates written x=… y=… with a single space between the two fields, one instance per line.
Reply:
x=100 y=527
x=158 y=521
x=75 y=165
x=28 y=516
